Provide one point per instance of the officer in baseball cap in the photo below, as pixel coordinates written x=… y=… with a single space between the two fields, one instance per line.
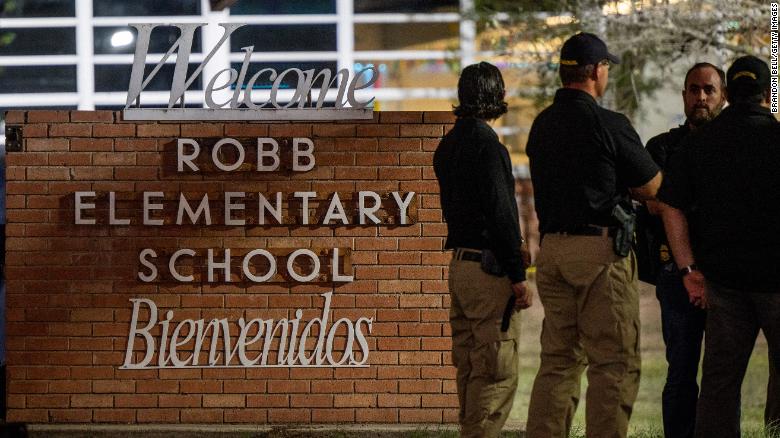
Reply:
x=748 y=76
x=586 y=49
x=721 y=195
x=585 y=163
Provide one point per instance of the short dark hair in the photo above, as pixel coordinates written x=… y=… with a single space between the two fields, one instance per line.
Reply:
x=481 y=92
x=571 y=74
x=698 y=65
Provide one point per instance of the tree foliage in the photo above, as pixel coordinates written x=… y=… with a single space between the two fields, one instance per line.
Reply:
x=648 y=34
x=7 y=38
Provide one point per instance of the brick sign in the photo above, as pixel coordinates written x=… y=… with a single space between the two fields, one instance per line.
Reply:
x=202 y=272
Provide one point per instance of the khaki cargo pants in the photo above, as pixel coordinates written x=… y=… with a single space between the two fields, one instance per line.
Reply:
x=485 y=357
x=591 y=319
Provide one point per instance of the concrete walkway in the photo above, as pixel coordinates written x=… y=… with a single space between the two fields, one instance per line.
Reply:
x=260 y=431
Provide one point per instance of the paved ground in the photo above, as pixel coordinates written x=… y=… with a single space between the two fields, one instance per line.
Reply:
x=195 y=431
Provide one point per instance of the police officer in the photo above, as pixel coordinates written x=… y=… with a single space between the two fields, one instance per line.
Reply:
x=477 y=198
x=721 y=210
x=682 y=322
x=585 y=160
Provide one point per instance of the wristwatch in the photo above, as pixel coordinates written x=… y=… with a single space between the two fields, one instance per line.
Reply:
x=688 y=269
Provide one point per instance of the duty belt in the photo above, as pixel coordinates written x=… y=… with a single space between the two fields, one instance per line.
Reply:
x=468 y=254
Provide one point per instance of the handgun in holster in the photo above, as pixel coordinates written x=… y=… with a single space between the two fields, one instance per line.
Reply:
x=508 y=311
x=624 y=236
x=490 y=265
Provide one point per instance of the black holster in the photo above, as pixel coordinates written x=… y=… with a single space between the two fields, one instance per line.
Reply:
x=490 y=264
x=624 y=236
x=506 y=318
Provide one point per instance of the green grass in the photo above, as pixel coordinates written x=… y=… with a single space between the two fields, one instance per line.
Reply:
x=646 y=420
x=433 y=434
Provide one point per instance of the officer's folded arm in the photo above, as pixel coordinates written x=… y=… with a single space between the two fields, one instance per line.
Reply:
x=676 y=225
x=647 y=191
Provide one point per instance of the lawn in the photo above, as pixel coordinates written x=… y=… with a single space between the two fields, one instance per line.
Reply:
x=646 y=419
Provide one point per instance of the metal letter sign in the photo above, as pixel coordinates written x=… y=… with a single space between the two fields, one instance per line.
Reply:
x=242 y=107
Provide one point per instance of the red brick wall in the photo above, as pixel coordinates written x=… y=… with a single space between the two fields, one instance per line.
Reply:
x=69 y=286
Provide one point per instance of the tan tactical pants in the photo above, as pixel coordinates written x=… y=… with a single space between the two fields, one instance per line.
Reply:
x=486 y=358
x=591 y=309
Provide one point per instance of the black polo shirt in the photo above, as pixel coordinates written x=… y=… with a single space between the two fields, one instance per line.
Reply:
x=583 y=158
x=478 y=193
x=661 y=147
x=726 y=178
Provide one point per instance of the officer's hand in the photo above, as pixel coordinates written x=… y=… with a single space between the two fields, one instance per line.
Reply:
x=523 y=296
x=696 y=287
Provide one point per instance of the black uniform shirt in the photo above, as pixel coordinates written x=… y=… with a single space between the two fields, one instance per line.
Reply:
x=583 y=160
x=661 y=147
x=725 y=178
x=478 y=193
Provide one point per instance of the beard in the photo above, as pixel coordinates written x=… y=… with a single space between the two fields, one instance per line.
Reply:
x=701 y=115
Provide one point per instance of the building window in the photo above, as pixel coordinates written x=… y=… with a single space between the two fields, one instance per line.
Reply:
x=38 y=79
x=283 y=7
x=394 y=6
x=117 y=77
x=406 y=36
x=38 y=8
x=414 y=44
x=114 y=40
x=283 y=38
x=412 y=73
x=26 y=41
x=114 y=8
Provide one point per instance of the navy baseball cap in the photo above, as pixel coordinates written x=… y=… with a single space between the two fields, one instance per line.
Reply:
x=748 y=74
x=585 y=49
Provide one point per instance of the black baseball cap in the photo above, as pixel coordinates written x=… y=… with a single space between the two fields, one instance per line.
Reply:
x=748 y=75
x=585 y=49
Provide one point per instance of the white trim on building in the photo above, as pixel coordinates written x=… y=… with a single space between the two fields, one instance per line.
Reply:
x=86 y=98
